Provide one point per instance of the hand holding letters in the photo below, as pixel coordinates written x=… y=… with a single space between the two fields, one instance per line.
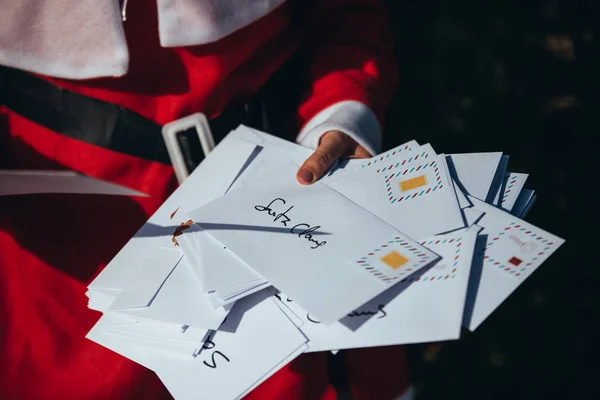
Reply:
x=243 y=268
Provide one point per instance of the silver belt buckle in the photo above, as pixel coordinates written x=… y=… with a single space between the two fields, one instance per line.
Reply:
x=188 y=141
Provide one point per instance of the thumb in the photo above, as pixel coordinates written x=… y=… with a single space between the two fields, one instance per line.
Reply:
x=331 y=147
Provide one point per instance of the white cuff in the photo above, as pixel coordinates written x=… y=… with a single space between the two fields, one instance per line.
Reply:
x=353 y=118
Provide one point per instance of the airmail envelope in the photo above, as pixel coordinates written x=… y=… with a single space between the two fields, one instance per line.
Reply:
x=514 y=249
x=426 y=307
x=415 y=197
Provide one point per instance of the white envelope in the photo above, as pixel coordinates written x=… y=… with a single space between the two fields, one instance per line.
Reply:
x=264 y=341
x=415 y=197
x=146 y=249
x=100 y=300
x=124 y=272
x=498 y=180
x=209 y=181
x=157 y=331
x=178 y=340
x=154 y=241
x=523 y=202
x=463 y=201
x=472 y=215
x=236 y=292
x=235 y=272
x=178 y=300
x=511 y=189
x=476 y=172
x=425 y=308
x=17 y=182
x=215 y=266
x=129 y=347
x=228 y=296
x=313 y=244
x=514 y=249
x=276 y=368
x=381 y=159
x=230 y=365
x=528 y=206
x=111 y=331
x=267 y=159
x=293 y=150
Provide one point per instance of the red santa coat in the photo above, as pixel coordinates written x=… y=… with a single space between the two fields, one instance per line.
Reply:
x=52 y=246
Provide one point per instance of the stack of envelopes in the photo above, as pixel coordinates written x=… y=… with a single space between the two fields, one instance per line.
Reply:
x=243 y=269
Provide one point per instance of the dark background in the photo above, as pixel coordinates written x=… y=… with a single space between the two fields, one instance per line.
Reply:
x=522 y=78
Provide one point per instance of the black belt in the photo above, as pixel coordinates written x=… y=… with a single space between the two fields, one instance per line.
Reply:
x=100 y=123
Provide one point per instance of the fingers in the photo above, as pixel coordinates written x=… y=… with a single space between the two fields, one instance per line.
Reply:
x=333 y=145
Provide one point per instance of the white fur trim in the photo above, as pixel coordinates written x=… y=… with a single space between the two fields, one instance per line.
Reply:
x=66 y=39
x=192 y=22
x=353 y=118
x=84 y=39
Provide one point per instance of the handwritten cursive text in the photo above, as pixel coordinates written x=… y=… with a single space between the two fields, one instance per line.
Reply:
x=380 y=309
x=303 y=230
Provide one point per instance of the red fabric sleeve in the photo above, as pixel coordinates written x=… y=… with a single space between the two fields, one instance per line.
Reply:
x=349 y=52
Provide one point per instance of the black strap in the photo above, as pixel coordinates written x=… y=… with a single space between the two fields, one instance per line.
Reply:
x=338 y=375
x=93 y=121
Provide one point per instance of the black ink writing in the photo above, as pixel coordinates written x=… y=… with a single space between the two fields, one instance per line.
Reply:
x=209 y=345
x=278 y=295
x=307 y=234
x=363 y=313
x=303 y=230
x=380 y=309
x=314 y=321
x=269 y=210
x=214 y=363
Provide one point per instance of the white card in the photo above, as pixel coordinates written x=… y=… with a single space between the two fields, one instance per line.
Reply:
x=311 y=242
x=424 y=308
x=514 y=249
